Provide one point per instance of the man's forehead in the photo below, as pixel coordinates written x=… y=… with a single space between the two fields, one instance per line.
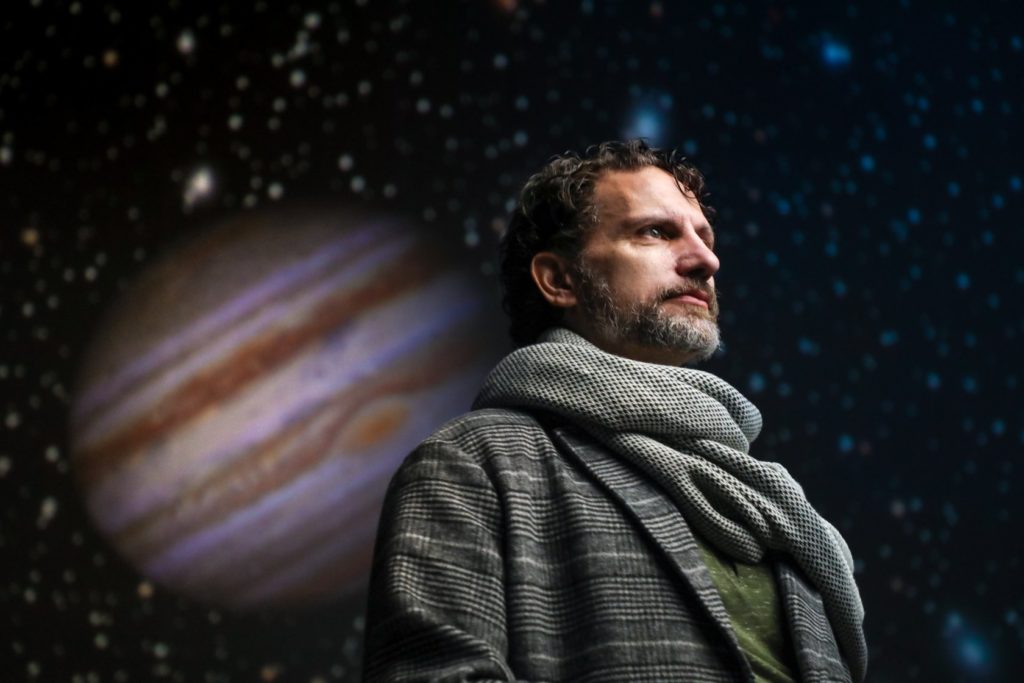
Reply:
x=622 y=193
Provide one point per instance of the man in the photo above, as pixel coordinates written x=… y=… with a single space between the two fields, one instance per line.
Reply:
x=598 y=515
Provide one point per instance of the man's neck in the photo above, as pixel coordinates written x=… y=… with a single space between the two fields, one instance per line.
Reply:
x=646 y=354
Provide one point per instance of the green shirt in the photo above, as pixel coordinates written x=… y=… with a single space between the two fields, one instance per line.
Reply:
x=751 y=599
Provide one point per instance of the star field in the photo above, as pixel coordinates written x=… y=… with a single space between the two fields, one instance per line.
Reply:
x=864 y=160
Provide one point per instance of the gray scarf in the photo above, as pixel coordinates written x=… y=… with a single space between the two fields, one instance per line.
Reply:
x=691 y=432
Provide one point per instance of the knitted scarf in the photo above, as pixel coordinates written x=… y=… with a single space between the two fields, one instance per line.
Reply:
x=691 y=432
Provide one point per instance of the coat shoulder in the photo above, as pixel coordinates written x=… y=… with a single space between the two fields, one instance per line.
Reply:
x=484 y=421
x=490 y=433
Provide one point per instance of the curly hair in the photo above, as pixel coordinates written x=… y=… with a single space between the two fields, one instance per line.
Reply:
x=553 y=213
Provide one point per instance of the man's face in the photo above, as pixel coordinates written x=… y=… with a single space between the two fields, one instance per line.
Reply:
x=645 y=275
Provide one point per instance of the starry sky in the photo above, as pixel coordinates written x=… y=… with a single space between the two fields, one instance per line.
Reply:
x=870 y=219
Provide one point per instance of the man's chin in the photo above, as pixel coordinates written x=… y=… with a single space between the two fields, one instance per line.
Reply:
x=690 y=312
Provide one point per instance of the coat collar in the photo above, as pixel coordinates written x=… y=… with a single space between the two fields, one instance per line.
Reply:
x=663 y=525
x=817 y=654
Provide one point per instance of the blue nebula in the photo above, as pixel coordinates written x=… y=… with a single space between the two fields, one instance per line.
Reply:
x=808 y=347
x=648 y=116
x=969 y=648
x=972 y=652
x=646 y=122
x=834 y=54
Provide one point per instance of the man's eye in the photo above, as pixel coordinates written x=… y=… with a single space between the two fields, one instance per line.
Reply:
x=654 y=231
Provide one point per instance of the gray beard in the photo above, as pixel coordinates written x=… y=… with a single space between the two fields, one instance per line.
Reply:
x=646 y=324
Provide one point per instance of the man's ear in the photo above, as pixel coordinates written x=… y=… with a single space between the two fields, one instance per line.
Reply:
x=553 y=277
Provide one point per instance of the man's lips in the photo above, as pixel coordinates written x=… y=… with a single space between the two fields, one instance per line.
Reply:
x=697 y=298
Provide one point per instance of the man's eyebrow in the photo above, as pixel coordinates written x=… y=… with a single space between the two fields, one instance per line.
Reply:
x=647 y=219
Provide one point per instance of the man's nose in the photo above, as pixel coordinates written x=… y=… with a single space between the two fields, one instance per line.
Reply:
x=696 y=259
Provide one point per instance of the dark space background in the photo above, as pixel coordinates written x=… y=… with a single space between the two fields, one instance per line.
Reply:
x=865 y=161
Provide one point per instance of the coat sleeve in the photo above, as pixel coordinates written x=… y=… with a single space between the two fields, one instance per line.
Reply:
x=436 y=608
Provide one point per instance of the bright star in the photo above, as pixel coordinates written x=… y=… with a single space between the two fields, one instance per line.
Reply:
x=836 y=55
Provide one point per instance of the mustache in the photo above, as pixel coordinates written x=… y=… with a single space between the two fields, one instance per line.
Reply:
x=687 y=286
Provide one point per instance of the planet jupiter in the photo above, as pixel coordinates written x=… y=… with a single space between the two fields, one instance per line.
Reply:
x=243 y=406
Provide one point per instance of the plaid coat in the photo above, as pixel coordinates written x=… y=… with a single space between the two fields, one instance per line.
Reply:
x=514 y=549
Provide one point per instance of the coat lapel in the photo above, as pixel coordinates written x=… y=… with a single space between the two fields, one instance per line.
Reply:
x=661 y=522
x=817 y=654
